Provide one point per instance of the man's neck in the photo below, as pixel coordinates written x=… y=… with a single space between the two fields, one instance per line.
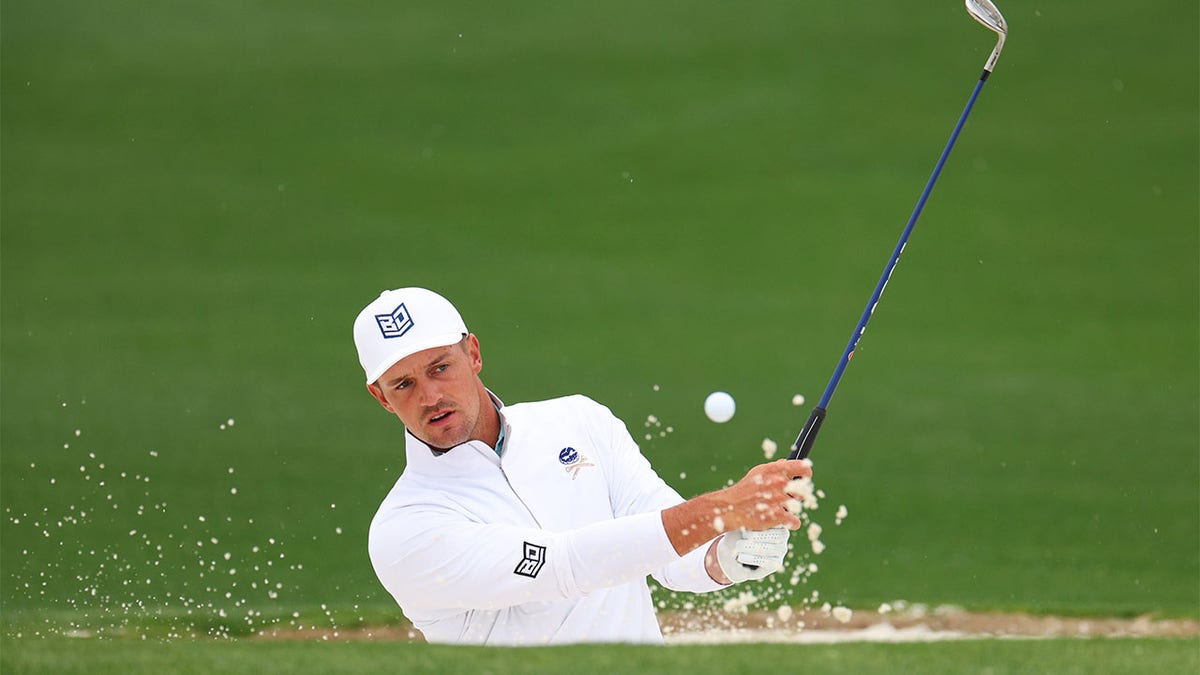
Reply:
x=489 y=420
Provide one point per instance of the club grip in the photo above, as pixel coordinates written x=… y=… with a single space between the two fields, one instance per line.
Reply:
x=808 y=435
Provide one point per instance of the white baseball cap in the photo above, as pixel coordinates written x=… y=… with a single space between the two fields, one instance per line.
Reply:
x=402 y=322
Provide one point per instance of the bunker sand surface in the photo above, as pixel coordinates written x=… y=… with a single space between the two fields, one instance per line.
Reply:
x=814 y=627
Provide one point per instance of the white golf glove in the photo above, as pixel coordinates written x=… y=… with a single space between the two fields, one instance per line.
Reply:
x=745 y=555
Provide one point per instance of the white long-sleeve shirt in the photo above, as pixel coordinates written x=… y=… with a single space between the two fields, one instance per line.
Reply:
x=550 y=543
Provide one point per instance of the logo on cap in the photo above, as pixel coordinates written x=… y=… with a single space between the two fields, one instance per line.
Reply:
x=395 y=324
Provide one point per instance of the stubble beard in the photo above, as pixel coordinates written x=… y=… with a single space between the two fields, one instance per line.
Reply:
x=460 y=431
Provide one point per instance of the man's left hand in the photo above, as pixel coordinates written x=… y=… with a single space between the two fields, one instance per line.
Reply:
x=744 y=555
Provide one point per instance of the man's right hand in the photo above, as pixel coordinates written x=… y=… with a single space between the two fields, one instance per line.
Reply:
x=756 y=502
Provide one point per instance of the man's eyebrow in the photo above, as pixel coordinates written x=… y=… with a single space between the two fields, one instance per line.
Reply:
x=403 y=376
x=441 y=356
x=395 y=380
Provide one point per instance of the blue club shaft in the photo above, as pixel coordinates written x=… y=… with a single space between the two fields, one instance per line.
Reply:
x=804 y=441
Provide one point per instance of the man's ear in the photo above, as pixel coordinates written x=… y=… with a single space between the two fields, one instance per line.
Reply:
x=378 y=394
x=474 y=353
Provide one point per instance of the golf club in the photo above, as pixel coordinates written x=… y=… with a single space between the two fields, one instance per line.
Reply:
x=985 y=13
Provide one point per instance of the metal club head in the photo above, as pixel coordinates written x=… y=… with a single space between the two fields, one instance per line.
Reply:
x=986 y=13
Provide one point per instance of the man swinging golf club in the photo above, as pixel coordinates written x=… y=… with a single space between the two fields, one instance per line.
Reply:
x=538 y=523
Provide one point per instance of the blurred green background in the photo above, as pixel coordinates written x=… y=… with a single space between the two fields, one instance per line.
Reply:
x=640 y=202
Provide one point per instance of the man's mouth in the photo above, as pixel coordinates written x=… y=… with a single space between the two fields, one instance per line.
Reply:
x=441 y=417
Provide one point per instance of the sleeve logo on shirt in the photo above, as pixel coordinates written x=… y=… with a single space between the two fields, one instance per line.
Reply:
x=395 y=324
x=531 y=564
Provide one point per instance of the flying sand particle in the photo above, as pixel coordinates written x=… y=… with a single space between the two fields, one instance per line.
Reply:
x=741 y=603
x=802 y=489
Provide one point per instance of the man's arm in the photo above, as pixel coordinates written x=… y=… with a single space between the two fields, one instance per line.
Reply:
x=432 y=559
x=636 y=488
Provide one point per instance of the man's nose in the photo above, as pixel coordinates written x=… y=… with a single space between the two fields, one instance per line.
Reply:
x=431 y=394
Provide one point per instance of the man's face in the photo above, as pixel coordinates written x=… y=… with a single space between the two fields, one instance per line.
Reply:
x=437 y=393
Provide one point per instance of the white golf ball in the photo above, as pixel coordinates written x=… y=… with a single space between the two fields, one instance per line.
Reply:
x=719 y=407
x=798 y=399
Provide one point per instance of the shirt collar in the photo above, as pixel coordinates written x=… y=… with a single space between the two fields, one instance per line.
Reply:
x=500 y=438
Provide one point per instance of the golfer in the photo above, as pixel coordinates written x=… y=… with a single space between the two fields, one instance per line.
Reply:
x=537 y=523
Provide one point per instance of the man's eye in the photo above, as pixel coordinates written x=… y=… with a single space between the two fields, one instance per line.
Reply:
x=442 y=368
x=402 y=385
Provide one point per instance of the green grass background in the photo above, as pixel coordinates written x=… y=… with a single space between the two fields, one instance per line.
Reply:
x=639 y=202
x=65 y=656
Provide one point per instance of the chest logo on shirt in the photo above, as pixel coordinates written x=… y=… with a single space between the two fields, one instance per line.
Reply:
x=573 y=461
x=531 y=564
